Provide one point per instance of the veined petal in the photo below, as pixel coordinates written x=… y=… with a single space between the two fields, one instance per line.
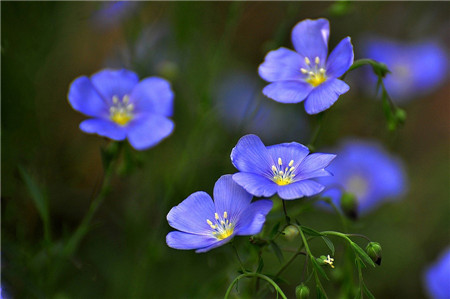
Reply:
x=288 y=152
x=255 y=184
x=313 y=166
x=186 y=241
x=253 y=218
x=281 y=64
x=103 y=127
x=230 y=197
x=288 y=91
x=310 y=38
x=84 y=98
x=191 y=214
x=147 y=130
x=299 y=189
x=340 y=59
x=215 y=245
x=250 y=155
x=111 y=83
x=153 y=95
x=324 y=95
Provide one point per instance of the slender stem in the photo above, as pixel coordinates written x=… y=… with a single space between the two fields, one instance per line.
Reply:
x=316 y=131
x=82 y=229
x=262 y=276
x=341 y=216
x=288 y=219
x=359 y=235
x=290 y=261
x=337 y=234
x=238 y=258
x=304 y=241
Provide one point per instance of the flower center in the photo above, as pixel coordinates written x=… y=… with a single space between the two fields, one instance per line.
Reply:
x=314 y=74
x=283 y=176
x=222 y=227
x=329 y=261
x=121 y=111
x=358 y=186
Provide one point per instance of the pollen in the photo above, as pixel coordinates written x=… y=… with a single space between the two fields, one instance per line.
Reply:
x=283 y=175
x=222 y=228
x=121 y=111
x=314 y=74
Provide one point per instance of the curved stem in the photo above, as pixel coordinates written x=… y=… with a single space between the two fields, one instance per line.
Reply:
x=290 y=260
x=237 y=255
x=262 y=276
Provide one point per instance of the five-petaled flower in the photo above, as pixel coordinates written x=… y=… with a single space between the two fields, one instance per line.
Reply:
x=286 y=168
x=204 y=224
x=307 y=73
x=122 y=107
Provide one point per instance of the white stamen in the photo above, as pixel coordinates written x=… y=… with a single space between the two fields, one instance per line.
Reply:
x=303 y=71
x=308 y=62
x=317 y=60
x=291 y=163
x=280 y=162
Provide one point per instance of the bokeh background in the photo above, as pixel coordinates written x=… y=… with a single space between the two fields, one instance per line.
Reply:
x=210 y=52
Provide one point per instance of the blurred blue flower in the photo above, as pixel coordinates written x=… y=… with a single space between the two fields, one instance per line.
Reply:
x=307 y=73
x=122 y=107
x=204 y=224
x=416 y=68
x=111 y=13
x=284 y=168
x=437 y=277
x=243 y=109
x=367 y=171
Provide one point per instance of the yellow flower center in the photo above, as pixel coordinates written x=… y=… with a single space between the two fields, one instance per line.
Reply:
x=121 y=111
x=283 y=175
x=222 y=227
x=315 y=74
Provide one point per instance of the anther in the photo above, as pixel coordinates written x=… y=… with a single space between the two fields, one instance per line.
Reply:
x=322 y=70
x=216 y=216
x=291 y=163
x=115 y=99
x=308 y=62
x=280 y=162
x=126 y=99
x=317 y=60
x=303 y=71
x=130 y=107
x=274 y=169
x=225 y=215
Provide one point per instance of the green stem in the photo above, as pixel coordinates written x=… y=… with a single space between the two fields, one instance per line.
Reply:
x=238 y=258
x=262 y=276
x=290 y=261
x=341 y=216
x=320 y=117
x=288 y=220
x=337 y=234
x=83 y=228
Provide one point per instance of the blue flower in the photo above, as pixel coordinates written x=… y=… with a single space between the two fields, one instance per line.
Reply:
x=307 y=73
x=367 y=171
x=416 y=68
x=112 y=13
x=437 y=277
x=285 y=168
x=204 y=224
x=242 y=108
x=122 y=107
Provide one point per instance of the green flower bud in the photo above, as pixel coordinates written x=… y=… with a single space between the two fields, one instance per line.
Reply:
x=349 y=205
x=373 y=250
x=291 y=232
x=301 y=291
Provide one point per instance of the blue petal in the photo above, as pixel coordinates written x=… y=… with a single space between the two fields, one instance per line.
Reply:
x=253 y=218
x=287 y=152
x=153 y=95
x=324 y=95
x=340 y=59
x=215 y=245
x=230 y=197
x=84 y=98
x=191 y=214
x=111 y=83
x=310 y=38
x=255 y=184
x=103 y=127
x=299 y=189
x=186 y=241
x=288 y=92
x=313 y=166
x=250 y=155
x=281 y=64
x=147 y=130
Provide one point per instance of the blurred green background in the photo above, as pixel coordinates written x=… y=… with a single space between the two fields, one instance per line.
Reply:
x=46 y=45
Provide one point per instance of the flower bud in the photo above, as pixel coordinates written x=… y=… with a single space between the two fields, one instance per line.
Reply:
x=301 y=291
x=373 y=250
x=291 y=232
x=349 y=205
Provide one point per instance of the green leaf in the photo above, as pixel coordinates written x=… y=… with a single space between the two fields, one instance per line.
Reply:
x=275 y=230
x=329 y=244
x=277 y=251
x=318 y=268
x=358 y=294
x=362 y=254
x=310 y=231
x=320 y=291
x=367 y=292
x=37 y=195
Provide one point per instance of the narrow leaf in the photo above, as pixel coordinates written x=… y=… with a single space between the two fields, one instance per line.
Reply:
x=329 y=244
x=277 y=251
x=319 y=268
x=362 y=254
x=310 y=231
